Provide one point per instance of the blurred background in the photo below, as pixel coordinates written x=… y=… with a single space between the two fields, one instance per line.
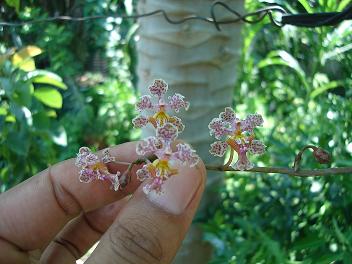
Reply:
x=69 y=84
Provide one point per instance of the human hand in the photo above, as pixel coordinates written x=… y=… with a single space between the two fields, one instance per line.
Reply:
x=53 y=218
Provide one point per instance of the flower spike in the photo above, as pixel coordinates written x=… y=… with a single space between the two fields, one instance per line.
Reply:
x=238 y=135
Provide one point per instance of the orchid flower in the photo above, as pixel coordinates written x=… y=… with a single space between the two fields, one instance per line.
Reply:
x=238 y=135
x=164 y=166
x=176 y=102
x=94 y=168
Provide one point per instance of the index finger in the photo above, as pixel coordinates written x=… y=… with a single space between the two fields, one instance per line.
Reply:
x=33 y=212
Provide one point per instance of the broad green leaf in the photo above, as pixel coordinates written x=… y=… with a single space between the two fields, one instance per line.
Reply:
x=49 y=96
x=14 y=3
x=46 y=77
x=325 y=87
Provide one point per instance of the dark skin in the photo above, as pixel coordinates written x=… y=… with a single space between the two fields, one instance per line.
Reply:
x=53 y=218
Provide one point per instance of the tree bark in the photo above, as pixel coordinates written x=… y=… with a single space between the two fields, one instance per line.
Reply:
x=199 y=62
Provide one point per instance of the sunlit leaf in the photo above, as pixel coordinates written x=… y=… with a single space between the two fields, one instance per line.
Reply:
x=23 y=59
x=46 y=77
x=49 y=96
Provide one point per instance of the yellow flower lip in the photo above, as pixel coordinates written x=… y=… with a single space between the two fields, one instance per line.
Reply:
x=237 y=135
x=98 y=166
x=163 y=166
x=161 y=117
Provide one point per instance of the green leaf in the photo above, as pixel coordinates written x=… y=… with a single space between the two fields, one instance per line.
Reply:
x=339 y=234
x=328 y=258
x=18 y=142
x=3 y=111
x=49 y=96
x=325 y=87
x=22 y=94
x=281 y=57
x=343 y=4
x=14 y=3
x=306 y=5
x=311 y=241
x=23 y=59
x=46 y=77
x=41 y=121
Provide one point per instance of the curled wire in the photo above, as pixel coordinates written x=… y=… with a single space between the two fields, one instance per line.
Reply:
x=257 y=15
x=303 y=20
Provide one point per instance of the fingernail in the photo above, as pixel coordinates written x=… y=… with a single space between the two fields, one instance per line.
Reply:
x=177 y=191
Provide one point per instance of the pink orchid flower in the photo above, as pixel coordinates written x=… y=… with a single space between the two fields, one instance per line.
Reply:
x=238 y=135
x=160 y=108
x=94 y=168
x=164 y=166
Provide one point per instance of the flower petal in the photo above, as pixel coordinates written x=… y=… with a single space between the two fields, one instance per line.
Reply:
x=229 y=115
x=167 y=132
x=257 y=147
x=81 y=159
x=155 y=186
x=144 y=103
x=177 y=122
x=186 y=154
x=177 y=102
x=143 y=173
x=87 y=175
x=147 y=146
x=252 y=121
x=140 y=121
x=107 y=156
x=218 y=148
x=115 y=182
x=158 y=88
x=242 y=163
x=219 y=128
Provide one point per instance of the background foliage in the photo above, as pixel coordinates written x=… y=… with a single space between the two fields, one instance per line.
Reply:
x=299 y=79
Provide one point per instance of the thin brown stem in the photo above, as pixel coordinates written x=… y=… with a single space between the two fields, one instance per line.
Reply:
x=320 y=155
x=126 y=176
x=228 y=163
x=288 y=171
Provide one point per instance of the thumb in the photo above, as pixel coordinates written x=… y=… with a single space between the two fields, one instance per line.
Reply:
x=150 y=228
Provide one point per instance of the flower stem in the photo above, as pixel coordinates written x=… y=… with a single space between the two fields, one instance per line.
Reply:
x=288 y=171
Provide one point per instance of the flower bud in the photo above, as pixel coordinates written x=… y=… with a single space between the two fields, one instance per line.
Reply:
x=322 y=156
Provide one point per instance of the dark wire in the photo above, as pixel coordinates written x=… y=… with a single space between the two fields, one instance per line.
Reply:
x=305 y=20
x=256 y=16
x=317 y=19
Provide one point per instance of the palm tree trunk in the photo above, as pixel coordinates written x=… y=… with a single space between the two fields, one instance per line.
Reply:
x=199 y=62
